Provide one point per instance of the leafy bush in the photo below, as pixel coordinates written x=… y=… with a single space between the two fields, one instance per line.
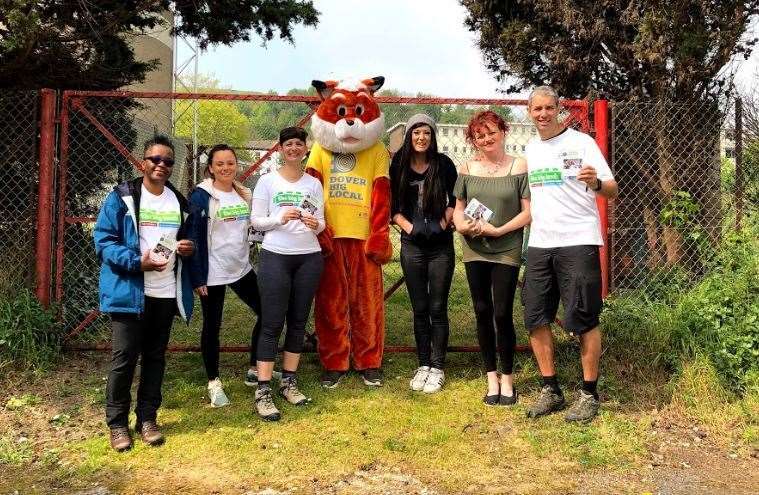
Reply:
x=720 y=315
x=29 y=334
x=673 y=320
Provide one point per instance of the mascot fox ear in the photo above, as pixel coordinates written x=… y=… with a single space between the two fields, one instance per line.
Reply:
x=374 y=84
x=324 y=88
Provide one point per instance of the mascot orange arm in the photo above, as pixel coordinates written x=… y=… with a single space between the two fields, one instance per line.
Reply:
x=378 y=247
x=326 y=236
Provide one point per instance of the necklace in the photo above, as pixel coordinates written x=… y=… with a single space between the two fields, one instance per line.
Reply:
x=492 y=170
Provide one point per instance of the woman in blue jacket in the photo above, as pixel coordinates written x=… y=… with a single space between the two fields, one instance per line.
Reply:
x=142 y=293
x=222 y=259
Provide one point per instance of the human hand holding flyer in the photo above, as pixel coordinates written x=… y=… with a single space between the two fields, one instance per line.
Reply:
x=477 y=211
x=309 y=204
x=162 y=251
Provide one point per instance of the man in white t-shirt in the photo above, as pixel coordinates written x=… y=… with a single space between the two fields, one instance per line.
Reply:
x=566 y=171
x=140 y=240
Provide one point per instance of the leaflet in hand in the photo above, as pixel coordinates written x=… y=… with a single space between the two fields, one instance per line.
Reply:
x=478 y=211
x=163 y=250
x=571 y=163
x=310 y=204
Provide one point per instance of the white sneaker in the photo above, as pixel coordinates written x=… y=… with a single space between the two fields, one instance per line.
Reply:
x=435 y=381
x=420 y=378
x=216 y=394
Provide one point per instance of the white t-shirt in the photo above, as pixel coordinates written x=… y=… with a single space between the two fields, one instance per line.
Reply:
x=564 y=213
x=271 y=196
x=159 y=216
x=228 y=247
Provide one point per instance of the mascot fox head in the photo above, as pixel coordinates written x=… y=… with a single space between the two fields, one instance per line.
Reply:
x=348 y=119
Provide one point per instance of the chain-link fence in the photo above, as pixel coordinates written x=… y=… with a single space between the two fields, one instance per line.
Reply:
x=18 y=176
x=667 y=158
x=102 y=130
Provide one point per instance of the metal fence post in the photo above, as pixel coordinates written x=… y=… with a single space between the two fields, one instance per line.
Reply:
x=738 y=162
x=601 y=125
x=43 y=248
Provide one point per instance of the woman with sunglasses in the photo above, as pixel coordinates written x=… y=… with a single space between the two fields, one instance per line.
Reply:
x=288 y=208
x=223 y=259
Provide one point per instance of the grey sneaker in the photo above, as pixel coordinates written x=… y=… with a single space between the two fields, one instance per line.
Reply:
x=289 y=390
x=435 y=381
x=265 y=405
x=420 y=378
x=372 y=377
x=584 y=409
x=251 y=377
x=548 y=402
x=216 y=394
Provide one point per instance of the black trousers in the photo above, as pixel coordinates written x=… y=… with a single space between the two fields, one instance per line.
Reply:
x=428 y=272
x=213 y=307
x=493 y=286
x=288 y=283
x=135 y=336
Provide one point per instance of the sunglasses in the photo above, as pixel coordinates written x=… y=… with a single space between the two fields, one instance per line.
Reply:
x=169 y=162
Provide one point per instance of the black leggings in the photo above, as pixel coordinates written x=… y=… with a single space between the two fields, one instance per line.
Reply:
x=428 y=272
x=213 y=306
x=493 y=286
x=288 y=284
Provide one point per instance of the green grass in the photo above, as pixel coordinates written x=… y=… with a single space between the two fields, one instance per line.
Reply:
x=449 y=440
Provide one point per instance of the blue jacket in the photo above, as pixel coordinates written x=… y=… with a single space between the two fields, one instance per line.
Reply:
x=205 y=205
x=117 y=244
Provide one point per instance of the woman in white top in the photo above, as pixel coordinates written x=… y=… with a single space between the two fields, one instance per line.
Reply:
x=288 y=208
x=222 y=259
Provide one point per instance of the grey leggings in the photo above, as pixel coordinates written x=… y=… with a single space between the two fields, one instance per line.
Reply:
x=287 y=283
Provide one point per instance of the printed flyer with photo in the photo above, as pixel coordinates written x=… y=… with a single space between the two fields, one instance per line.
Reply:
x=478 y=211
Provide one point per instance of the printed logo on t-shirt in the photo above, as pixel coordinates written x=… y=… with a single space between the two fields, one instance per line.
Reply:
x=160 y=219
x=288 y=198
x=342 y=163
x=545 y=177
x=239 y=212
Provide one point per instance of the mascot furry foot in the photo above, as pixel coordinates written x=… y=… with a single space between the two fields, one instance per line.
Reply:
x=352 y=165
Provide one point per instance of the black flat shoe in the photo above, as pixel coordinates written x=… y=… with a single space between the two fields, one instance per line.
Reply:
x=505 y=400
x=491 y=400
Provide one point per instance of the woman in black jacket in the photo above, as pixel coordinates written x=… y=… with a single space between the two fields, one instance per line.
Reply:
x=422 y=183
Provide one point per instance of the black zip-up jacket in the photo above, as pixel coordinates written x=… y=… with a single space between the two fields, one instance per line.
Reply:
x=426 y=231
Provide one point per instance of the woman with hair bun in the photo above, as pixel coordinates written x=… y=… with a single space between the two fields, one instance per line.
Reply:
x=222 y=259
x=288 y=206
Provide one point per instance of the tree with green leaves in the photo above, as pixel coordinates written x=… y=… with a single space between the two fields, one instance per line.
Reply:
x=71 y=44
x=618 y=49
x=673 y=57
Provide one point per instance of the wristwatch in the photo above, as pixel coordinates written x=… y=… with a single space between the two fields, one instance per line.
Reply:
x=599 y=185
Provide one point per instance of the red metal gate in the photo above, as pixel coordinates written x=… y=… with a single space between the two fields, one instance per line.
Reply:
x=101 y=131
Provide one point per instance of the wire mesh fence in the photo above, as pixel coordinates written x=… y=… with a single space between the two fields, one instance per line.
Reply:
x=103 y=131
x=670 y=213
x=18 y=176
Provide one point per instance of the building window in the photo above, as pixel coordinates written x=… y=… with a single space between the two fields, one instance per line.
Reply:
x=445 y=131
x=455 y=149
x=523 y=148
x=455 y=132
x=445 y=149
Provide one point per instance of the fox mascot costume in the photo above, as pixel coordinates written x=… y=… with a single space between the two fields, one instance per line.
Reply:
x=352 y=164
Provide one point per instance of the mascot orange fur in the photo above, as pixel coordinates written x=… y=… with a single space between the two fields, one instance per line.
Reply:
x=352 y=164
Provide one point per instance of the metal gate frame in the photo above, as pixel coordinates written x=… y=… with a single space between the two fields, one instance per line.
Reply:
x=76 y=102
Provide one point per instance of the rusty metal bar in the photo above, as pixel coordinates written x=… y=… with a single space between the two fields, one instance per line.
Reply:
x=601 y=125
x=43 y=245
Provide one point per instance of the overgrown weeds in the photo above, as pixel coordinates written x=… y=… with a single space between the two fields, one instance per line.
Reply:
x=30 y=336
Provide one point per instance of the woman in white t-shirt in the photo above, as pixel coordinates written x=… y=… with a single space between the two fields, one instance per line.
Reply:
x=222 y=259
x=288 y=208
